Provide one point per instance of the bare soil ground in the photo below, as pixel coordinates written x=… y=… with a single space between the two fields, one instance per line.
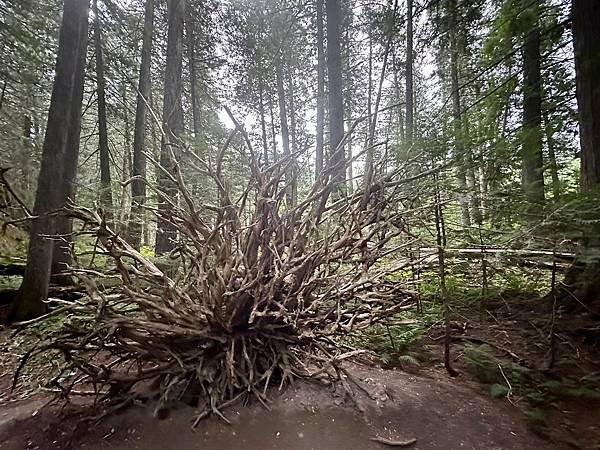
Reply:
x=427 y=405
x=438 y=412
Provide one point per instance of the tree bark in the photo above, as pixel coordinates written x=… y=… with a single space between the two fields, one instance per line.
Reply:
x=283 y=123
x=293 y=141
x=532 y=146
x=409 y=74
x=263 y=122
x=319 y=162
x=61 y=255
x=459 y=148
x=29 y=302
x=105 y=183
x=583 y=278
x=138 y=186
x=336 y=99
x=193 y=76
x=552 y=164
x=172 y=126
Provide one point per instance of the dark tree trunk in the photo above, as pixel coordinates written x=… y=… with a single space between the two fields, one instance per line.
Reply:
x=409 y=74
x=336 y=98
x=532 y=159
x=49 y=195
x=106 y=200
x=138 y=186
x=61 y=256
x=586 y=40
x=319 y=162
x=583 y=279
x=166 y=234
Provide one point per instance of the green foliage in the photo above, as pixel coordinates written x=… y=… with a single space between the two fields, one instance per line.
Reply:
x=489 y=369
x=393 y=343
x=147 y=252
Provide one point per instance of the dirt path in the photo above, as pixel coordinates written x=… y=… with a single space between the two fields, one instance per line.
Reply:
x=440 y=414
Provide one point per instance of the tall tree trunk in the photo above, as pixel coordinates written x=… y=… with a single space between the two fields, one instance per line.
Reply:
x=29 y=301
x=166 y=233
x=283 y=123
x=319 y=162
x=369 y=166
x=61 y=255
x=410 y=125
x=583 y=279
x=348 y=110
x=293 y=134
x=124 y=204
x=26 y=139
x=273 y=131
x=336 y=99
x=586 y=39
x=532 y=159
x=552 y=164
x=263 y=121
x=458 y=129
x=105 y=182
x=474 y=193
x=138 y=186
x=193 y=76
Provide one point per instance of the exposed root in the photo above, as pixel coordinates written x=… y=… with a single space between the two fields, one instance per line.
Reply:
x=246 y=300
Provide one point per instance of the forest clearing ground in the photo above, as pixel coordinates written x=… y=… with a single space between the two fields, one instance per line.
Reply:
x=436 y=411
x=426 y=404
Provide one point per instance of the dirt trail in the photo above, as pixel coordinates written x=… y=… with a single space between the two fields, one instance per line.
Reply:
x=440 y=414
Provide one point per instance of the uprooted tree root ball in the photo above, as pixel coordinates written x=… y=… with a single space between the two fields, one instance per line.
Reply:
x=244 y=301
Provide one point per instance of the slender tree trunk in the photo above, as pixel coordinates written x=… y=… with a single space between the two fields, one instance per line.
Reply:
x=369 y=169
x=320 y=91
x=138 y=186
x=126 y=170
x=105 y=183
x=458 y=129
x=348 y=110
x=263 y=122
x=193 y=76
x=273 y=132
x=29 y=301
x=336 y=99
x=283 y=123
x=474 y=194
x=552 y=164
x=532 y=159
x=397 y=99
x=293 y=134
x=26 y=139
x=166 y=233
x=409 y=74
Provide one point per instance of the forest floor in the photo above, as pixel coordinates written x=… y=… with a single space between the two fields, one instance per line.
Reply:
x=438 y=412
x=510 y=394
